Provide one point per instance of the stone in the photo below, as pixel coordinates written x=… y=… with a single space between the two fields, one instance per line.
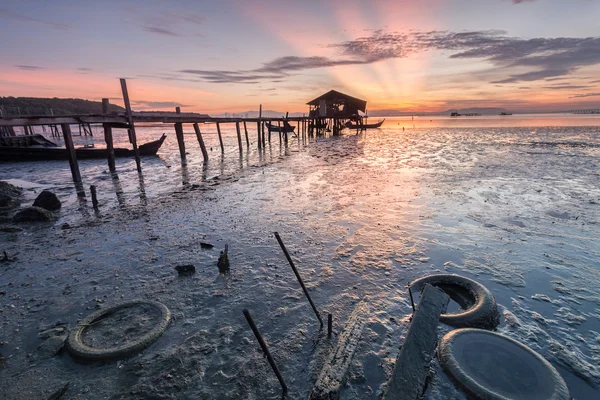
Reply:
x=47 y=200
x=187 y=269
x=9 y=195
x=33 y=214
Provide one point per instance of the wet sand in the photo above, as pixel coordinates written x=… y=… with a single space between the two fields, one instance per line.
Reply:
x=515 y=208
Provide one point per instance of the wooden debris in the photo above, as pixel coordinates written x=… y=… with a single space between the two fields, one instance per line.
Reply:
x=333 y=375
x=412 y=364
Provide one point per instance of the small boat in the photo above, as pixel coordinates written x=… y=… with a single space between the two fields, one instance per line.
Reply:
x=350 y=125
x=505 y=113
x=285 y=128
x=38 y=148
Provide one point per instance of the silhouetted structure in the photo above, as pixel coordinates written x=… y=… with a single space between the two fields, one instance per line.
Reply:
x=333 y=109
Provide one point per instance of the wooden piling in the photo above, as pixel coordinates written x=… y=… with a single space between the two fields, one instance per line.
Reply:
x=258 y=125
x=132 y=136
x=329 y=324
x=94 y=196
x=201 y=142
x=239 y=135
x=220 y=138
x=285 y=129
x=108 y=138
x=246 y=133
x=269 y=130
x=66 y=129
x=180 y=139
x=279 y=129
x=291 y=262
x=265 y=349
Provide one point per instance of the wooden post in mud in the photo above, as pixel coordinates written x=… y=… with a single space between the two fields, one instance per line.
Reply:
x=201 y=142
x=258 y=125
x=239 y=135
x=180 y=140
x=329 y=324
x=132 y=136
x=66 y=129
x=291 y=262
x=285 y=129
x=269 y=129
x=220 y=138
x=279 y=129
x=94 y=196
x=246 y=133
x=265 y=349
x=108 y=138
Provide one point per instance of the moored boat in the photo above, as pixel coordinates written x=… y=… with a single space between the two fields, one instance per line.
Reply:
x=38 y=148
x=285 y=128
x=351 y=125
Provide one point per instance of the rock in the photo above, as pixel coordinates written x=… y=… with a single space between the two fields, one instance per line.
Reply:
x=9 y=195
x=223 y=262
x=188 y=269
x=47 y=200
x=33 y=214
x=55 y=341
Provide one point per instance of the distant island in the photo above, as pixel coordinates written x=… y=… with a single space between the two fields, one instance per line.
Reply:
x=15 y=106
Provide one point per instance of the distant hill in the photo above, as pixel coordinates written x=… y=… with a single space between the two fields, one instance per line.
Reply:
x=14 y=106
x=254 y=114
x=474 y=110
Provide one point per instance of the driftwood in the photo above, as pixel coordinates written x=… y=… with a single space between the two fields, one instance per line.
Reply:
x=412 y=364
x=333 y=375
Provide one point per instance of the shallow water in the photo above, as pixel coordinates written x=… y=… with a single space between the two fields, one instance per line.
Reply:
x=515 y=207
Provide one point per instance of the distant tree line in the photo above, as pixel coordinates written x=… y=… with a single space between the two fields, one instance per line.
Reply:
x=15 y=106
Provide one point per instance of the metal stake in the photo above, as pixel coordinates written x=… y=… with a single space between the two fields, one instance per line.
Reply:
x=265 y=349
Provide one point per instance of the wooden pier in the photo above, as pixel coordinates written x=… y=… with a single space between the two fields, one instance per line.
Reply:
x=305 y=127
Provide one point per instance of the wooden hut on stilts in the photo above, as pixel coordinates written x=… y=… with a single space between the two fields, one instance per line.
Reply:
x=332 y=110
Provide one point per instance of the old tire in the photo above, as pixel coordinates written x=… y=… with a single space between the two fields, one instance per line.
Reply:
x=80 y=350
x=480 y=309
x=490 y=366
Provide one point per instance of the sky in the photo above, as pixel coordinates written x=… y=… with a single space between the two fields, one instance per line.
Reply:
x=232 y=55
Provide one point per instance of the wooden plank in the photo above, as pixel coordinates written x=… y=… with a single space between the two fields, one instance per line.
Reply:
x=201 y=142
x=333 y=375
x=412 y=363
x=108 y=138
x=220 y=138
x=180 y=140
x=66 y=129
x=132 y=136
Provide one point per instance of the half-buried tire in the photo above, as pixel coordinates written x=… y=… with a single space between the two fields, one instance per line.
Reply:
x=478 y=303
x=490 y=366
x=78 y=349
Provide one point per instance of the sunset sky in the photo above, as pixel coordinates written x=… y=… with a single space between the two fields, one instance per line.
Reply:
x=231 y=55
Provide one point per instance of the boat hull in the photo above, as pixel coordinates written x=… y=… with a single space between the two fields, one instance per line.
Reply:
x=60 y=153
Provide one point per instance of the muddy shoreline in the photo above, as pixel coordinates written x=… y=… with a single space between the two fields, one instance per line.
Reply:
x=360 y=221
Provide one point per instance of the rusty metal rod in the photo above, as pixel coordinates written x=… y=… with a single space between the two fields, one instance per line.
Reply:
x=412 y=302
x=265 y=349
x=287 y=255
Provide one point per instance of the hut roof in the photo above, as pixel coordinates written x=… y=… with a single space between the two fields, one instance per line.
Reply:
x=333 y=96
